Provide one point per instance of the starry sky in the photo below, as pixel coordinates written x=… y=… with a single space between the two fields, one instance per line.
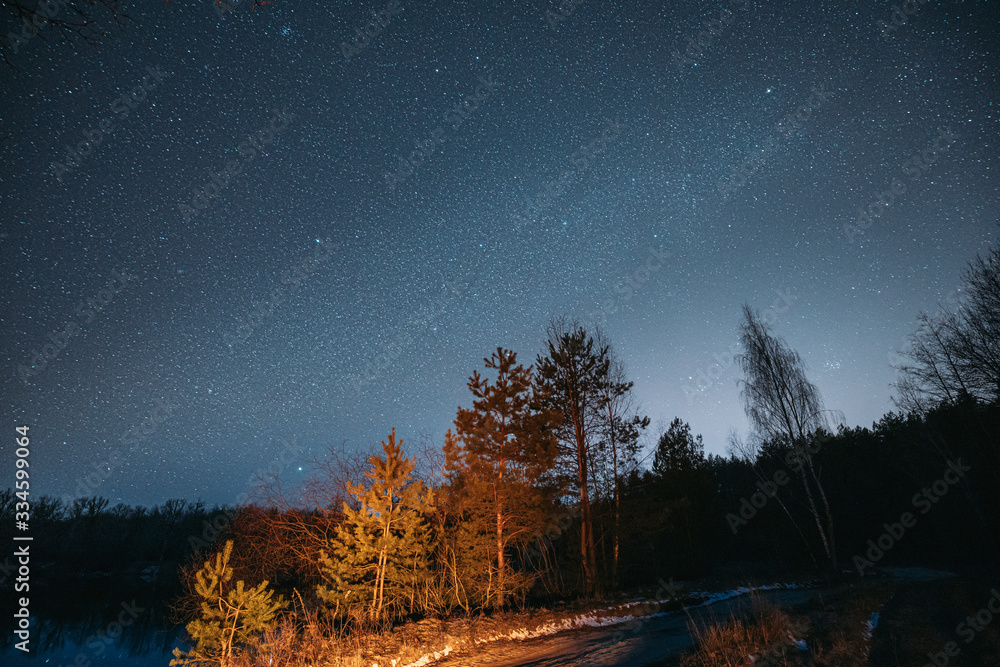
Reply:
x=232 y=237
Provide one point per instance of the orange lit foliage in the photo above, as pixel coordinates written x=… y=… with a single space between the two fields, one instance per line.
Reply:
x=377 y=568
x=496 y=460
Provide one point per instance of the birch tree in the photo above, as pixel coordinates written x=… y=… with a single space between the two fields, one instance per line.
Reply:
x=783 y=406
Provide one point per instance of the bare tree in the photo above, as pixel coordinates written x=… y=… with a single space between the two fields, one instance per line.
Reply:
x=933 y=373
x=303 y=521
x=977 y=326
x=782 y=405
x=956 y=354
x=70 y=19
x=749 y=452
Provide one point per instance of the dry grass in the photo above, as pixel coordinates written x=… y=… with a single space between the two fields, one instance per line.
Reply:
x=842 y=639
x=305 y=639
x=760 y=639
x=834 y=629
x=832 y=625
x=923 y=617
x=313 y=643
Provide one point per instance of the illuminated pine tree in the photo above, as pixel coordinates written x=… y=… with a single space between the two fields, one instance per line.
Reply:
x=231 y=616
x=379 y=563
x=496 y=462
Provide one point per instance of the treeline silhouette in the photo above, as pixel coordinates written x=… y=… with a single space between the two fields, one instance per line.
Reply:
x=541 y=491
x=89 y=536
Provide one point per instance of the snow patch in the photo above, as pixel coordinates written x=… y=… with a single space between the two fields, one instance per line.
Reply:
x=869 y=630
x=429 y=658
x=599 y=618
x=871 y=625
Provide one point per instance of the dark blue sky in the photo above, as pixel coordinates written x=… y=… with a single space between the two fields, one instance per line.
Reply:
x=316 y=248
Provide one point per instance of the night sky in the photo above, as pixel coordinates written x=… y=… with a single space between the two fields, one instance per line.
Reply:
x=302 y=236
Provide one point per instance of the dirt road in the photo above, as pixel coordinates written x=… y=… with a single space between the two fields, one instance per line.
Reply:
x=656 y=640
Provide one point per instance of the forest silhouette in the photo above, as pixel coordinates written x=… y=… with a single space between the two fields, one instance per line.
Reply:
x=542 y=493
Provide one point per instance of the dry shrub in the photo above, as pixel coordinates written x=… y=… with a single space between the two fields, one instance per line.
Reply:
x=310 y=639
x=841 y=639
x=731 y=644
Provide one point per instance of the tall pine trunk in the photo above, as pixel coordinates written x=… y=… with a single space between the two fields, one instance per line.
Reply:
x=501 y=560
x=586 y=540
x=586 y=521
x=614 y=558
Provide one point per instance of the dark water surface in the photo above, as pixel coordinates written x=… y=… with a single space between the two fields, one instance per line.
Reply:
x=92 y=621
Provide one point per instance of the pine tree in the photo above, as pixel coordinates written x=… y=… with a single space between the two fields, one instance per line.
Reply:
x=677 y=450
x=495 y=463
x=569 y=380
x=378 y=564
x=230 y=616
